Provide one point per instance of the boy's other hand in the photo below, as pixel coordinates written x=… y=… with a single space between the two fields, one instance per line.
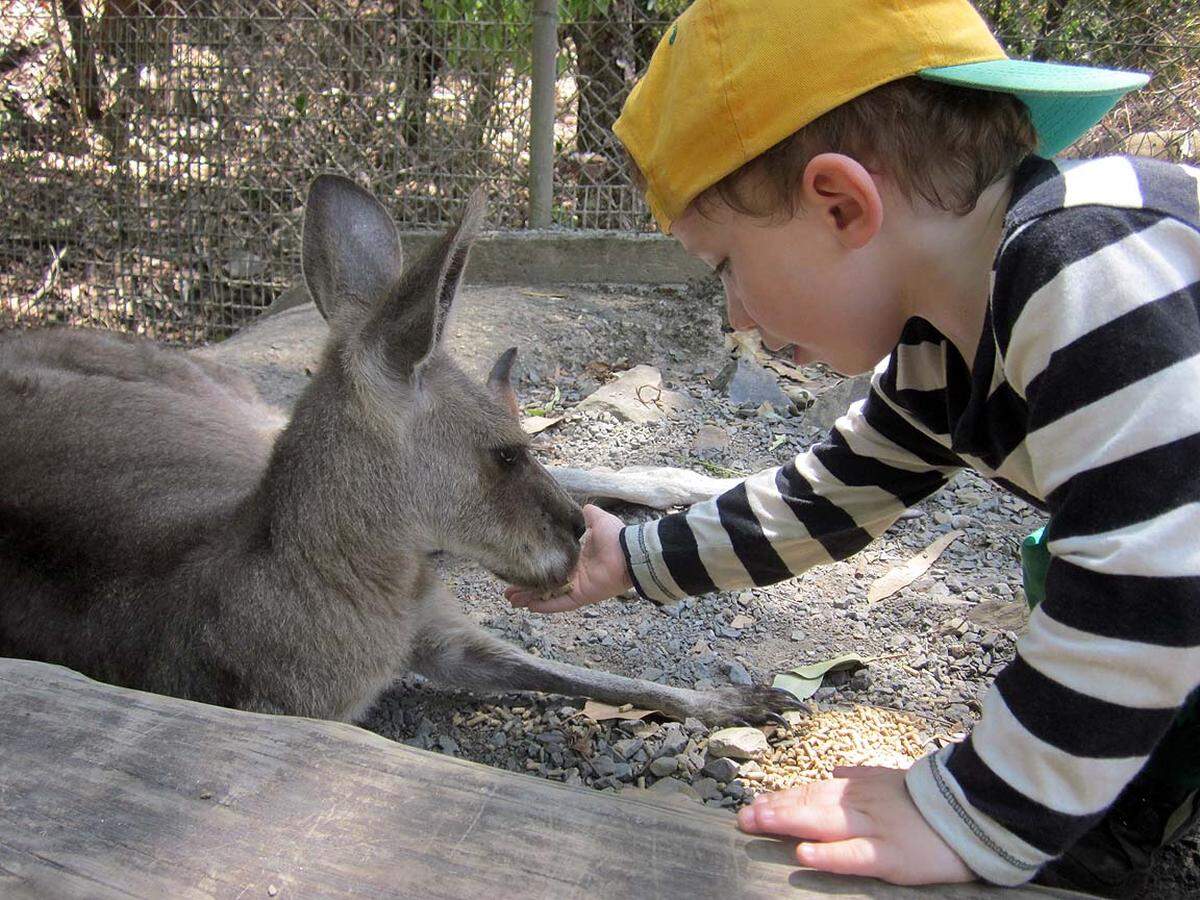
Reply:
x=860 y=822
x=601 y=572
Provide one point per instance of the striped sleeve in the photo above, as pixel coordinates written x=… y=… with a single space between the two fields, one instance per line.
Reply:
x=824 y=505
x=1100 y=334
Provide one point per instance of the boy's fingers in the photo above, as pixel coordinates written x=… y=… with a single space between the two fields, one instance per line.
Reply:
x=856 y=856
x=809 y=822
x=819 y=793
x=555 y=604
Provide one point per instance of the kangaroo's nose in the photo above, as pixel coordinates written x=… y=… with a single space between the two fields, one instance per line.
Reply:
x=578 y=525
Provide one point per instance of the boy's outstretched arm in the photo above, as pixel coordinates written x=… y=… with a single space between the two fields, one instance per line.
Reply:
x=826 y=504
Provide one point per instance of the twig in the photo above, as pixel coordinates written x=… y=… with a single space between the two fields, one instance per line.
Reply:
x=50 y=278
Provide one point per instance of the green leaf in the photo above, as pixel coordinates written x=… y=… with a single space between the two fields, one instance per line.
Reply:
x=802 y=681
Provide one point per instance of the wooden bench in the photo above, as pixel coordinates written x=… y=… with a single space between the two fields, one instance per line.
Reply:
x=111 y=792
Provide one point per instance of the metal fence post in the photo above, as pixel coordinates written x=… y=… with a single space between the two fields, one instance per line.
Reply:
x=542 y=103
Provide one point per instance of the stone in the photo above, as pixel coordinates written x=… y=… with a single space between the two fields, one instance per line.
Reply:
x=674 y=741
x=1000 y=615
x=739 y=675
x=603 y=765
x=746 y=383
x=637 y=395
x=707 y=789
x=663 y=766
x=736 y=789
x=711 y=437
x=737 y=743
x=671 y=788
x=833 y=402
x=721 y=768
x=628 y=747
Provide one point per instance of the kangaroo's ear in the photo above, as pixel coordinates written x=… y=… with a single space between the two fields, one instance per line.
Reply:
x=409 y=327
x=499 y=382
x=351 y=252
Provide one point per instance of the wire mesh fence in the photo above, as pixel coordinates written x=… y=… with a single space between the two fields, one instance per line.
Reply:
x=154 y=153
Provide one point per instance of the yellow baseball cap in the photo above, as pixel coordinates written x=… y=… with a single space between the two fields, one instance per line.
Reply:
x=732 y=78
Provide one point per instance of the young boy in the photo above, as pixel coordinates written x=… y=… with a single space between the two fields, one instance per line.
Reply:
x=861 y=175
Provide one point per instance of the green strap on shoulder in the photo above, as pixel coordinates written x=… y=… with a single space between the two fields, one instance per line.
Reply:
x=1035 y=564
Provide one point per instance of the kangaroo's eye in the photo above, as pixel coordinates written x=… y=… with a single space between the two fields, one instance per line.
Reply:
x=507 y=456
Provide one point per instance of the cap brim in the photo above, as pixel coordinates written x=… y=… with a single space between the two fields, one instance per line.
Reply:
x=1064 y=101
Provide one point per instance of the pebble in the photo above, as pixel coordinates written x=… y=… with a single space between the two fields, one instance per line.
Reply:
x=664 y=765
x=737 y=743
x=707 y=788
x=721 y=768
x=739 y=675
x=628 y=747
x=674 y=741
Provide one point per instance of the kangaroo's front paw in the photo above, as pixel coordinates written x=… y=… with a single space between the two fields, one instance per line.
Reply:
x=753 y=705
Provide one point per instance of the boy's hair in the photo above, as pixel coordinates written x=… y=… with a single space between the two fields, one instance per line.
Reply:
x=941 y=143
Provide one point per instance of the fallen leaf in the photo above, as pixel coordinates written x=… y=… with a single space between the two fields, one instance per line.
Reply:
x=601 y=712
x=802 y=681
x=747 y=343
x=534 y=424
x=905 y=574
x=741 y=621
x=544 y=294
x=787 y=370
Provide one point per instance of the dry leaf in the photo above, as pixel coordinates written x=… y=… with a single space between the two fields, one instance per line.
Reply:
x=802 y=681
x=905 y=574
x=544 y=294
x=535 y=424
x=787 y=370
x=600 y=712
x=741 y=621
x=746 y=343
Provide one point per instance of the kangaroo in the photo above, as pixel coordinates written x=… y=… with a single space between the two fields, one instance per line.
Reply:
x=163 y=529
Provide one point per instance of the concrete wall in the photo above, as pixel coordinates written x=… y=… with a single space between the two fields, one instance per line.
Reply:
x=570 y=257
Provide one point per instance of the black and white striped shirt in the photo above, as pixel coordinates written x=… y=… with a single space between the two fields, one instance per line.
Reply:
x=1084 y=399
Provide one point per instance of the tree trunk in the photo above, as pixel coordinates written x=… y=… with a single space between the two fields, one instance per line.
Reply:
x=603 y=47
x=86 y=76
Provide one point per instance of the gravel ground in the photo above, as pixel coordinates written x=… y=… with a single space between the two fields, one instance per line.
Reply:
x=932 y=648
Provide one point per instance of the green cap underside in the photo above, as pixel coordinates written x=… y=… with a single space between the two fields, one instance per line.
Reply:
x=1064 y=101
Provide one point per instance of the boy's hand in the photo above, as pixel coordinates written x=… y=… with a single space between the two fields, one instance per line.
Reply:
x=601 y=572
x=860 y=822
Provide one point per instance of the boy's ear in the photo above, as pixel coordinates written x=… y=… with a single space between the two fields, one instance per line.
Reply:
x=845 y=197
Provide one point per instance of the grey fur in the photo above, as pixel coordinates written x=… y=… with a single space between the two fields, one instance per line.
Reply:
x=162 y=528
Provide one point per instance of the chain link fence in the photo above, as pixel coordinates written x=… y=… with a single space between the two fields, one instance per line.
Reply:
x=154 y=153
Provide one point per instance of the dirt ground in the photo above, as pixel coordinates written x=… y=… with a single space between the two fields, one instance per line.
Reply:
x=932 y=648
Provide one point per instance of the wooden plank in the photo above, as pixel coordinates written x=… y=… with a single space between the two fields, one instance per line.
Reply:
x=107 y=792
